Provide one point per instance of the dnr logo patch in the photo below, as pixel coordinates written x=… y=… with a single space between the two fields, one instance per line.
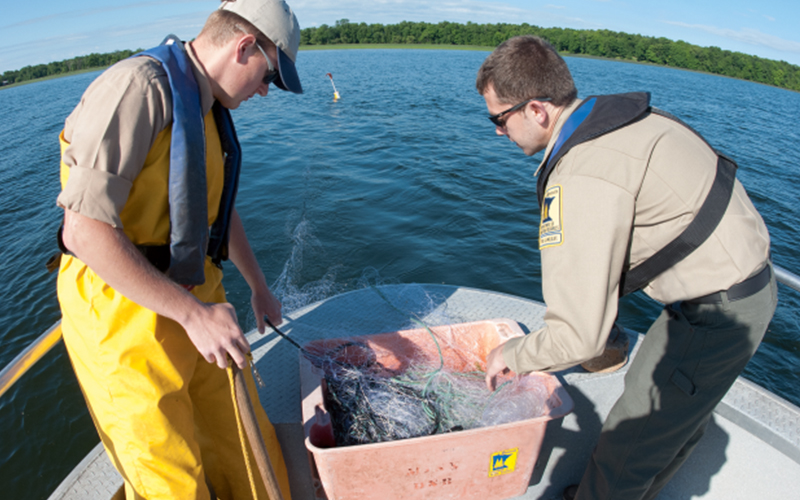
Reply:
x=503 y=462
x=551 y=229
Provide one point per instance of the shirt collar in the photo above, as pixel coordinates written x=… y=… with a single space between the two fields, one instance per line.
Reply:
x=203 y=83
x=557 y=130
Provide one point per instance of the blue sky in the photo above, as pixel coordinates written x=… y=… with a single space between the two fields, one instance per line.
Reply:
x=40 y=31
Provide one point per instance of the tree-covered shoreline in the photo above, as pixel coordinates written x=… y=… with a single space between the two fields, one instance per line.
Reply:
x=80 y=63
x=596 y=43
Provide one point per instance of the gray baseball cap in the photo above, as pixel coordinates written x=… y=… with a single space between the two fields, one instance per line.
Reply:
x=275 y=19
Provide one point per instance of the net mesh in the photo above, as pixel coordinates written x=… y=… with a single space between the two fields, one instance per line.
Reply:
x=390 y=386
x=410 y=384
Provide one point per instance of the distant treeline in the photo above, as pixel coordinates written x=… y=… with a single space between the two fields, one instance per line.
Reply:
x=601 y=43
x=66 y=66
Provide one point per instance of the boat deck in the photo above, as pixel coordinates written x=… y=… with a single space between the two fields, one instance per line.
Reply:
x=751 y=448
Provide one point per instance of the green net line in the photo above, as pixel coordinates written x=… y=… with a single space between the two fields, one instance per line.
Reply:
x=367 y=407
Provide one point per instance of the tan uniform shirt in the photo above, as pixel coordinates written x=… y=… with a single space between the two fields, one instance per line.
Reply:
x=635 y=189
x=111 y=131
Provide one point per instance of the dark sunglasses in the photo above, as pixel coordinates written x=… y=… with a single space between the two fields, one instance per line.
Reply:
x=498 y=118
x=272 y=74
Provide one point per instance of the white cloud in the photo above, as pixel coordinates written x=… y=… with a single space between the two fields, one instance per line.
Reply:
x=103 y=39
x=316 y=12
x=746 y=35
x=313 y=13
x=86 y=13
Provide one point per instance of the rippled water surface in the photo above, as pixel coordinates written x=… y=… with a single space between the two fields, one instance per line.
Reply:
x=402 y=180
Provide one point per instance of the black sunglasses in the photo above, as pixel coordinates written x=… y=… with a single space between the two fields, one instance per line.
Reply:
x=272 y=74
x=498 y=118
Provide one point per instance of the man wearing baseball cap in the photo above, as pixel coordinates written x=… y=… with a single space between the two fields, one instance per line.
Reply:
x=149 y=169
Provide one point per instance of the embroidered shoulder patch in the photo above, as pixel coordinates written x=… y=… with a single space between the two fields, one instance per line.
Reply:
x=551 y=229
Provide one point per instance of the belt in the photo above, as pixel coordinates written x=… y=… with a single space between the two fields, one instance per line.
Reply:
x=740 y=290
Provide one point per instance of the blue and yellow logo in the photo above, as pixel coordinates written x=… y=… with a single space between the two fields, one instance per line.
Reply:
x=503 y=462
x=551 y=229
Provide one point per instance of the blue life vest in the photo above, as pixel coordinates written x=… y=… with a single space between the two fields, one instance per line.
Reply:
x=190 y=241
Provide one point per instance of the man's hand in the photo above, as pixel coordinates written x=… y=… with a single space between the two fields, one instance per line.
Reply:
x=495 y=365
x=212 y=328
x=264 y=303
x=214 y=331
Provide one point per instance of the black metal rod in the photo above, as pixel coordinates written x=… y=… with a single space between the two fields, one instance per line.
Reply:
x=275 y=328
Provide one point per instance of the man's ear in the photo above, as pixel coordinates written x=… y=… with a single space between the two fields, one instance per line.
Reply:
x=539 y=112
x=242 y=45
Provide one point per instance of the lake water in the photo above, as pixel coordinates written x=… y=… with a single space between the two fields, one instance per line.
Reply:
x=401 y=181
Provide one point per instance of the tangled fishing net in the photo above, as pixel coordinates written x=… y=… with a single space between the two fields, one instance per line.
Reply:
x=383 y=388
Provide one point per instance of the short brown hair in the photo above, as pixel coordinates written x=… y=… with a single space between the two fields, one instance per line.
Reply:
x=223 y=25
x=524 y=67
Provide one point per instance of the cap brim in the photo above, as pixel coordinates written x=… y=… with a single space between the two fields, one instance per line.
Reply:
x=288 y=74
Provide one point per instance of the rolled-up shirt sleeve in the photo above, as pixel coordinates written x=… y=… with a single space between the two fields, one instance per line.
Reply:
x=109 y=134
x=580 y=275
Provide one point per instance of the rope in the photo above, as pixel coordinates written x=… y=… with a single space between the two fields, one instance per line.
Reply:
x=241 y=430
x=246 y=418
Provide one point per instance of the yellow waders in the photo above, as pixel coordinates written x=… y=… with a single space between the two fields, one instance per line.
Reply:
x=165 y=415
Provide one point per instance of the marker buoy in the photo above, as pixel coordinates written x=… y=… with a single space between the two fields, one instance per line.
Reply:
x=335 y=93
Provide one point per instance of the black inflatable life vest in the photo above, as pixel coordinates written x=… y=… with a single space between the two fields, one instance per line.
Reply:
x=600 y=115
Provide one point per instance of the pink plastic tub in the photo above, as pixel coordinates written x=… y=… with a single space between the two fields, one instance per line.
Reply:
x=482 y=464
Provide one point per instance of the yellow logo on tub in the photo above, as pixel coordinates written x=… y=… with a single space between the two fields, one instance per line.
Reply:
x=503 y=462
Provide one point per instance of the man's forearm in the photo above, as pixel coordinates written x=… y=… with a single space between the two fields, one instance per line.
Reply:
x=212 y=328
x=241 y=254
x=112 y=256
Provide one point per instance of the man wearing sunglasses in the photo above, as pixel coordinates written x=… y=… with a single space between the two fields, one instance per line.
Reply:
x=150 y=168
x=631 y=198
